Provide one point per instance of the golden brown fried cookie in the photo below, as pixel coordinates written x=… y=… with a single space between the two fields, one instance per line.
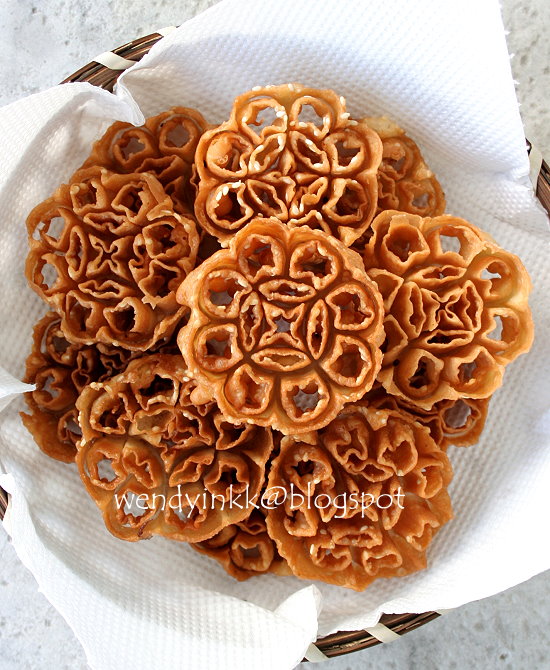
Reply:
x=359 y=499
x=157 y=464
x=107 y=252
x=293 y=153
x=456 y=307
x=285 y=327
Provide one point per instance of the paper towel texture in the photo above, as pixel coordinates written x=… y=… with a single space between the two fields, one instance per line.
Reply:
x=446 y=79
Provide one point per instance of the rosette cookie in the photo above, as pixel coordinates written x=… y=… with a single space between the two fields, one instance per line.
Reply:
x=359 y=499
x=456 y=307
x=165 y=146
x=292 y=153
x=285 y=327
x=60 y=370
x=155 y=464
x=405 y=182
x=245 y=549
x=107 y=253
x=456 y=422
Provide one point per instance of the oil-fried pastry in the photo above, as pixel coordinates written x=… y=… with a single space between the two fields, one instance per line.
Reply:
x=370 y=492
x=284 y=328
x=292 y=153
x=107 y=252
x=156 y=464
x=164 y=146
x=245 y=549
x=60 y=370
x=405 y=182
x=457 y=422
x=455 y=303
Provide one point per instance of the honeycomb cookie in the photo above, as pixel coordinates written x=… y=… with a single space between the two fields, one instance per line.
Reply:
x=284 y=328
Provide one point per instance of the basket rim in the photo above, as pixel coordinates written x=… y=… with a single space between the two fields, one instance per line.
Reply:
x=341 y=642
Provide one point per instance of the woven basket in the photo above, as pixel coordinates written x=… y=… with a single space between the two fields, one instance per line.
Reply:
x=104 y=73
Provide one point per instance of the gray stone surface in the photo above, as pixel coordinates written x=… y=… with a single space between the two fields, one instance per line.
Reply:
x=43 y=41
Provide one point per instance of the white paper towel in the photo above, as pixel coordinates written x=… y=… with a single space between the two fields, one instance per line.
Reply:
x=441 y=70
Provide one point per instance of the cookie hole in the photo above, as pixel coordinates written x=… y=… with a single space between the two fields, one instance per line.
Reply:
x=130 y=198
x=488 y=274
x=282 y=324
x=71 y=426
x=346 y=154
x=222 y=292
x=264 y=118
x=496 y=333
x=449 y=242
x=349 y=202
x=254 y=393
x=259 y=255
x=79 y=314
x=229 y=477
x=124 y=320
x=466 y=371
x=307 y=150
x=47 y=387
x=396 y=164
x=457 y=416
x=158 y=386
x=308 y=114
x=304 y=468
x=306 y=400
x=178 y=136
x=225 y=152
x=249 y=553
x=349 y=363
x=105 y=470
x=405 y=244
x=84 y=194
x=228 y=206
x=55 y=227
x=50 y=276
x=219 y=346
x=131 y=147
x=134 y=506
x=420 y=378
x=421 y=201
x=182 y=513
x=162 y=284
x=349 y=305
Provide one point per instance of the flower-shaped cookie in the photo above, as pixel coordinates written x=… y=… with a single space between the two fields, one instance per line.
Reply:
x=360 y=499
x=165 y=146
x=292 y=153
x=405 y=182
x=285 y=327
x=60 y=370
x=154 y=463
x=245 y=549
x=107 y=253
x=456 y=307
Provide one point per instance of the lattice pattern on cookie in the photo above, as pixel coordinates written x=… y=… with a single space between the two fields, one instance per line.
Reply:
x=107 y=252
x=285 y=327
x=164 y=146
x=456 y=307
x=60 y=370
x=405 y=182
x=457 y=422
x=176 y=467
x=350 y=526
x=292 y=153
x=245 y=549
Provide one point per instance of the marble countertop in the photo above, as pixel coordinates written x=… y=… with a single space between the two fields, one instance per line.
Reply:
x=44 y=41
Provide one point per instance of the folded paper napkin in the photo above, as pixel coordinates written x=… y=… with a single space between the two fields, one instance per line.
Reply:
x=441 y=70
